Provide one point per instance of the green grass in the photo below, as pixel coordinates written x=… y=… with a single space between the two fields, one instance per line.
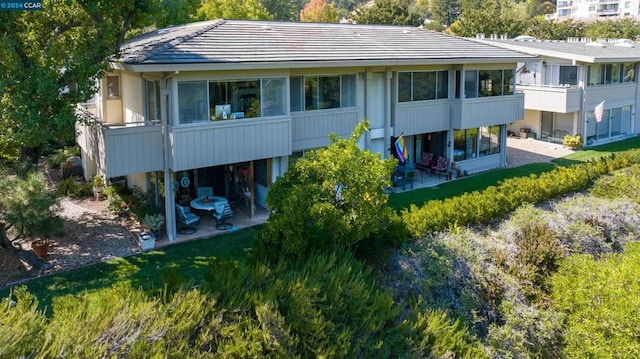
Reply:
x=598 y=151
x=190 y=260
x=476 y=182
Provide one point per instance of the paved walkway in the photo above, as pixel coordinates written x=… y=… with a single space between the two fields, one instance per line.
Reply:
x=522 y=151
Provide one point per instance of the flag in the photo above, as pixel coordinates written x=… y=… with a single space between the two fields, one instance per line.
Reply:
x=599 y=111
x=401 y=149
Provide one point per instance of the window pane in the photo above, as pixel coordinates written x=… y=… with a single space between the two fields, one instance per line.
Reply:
x=629 y=72
x=217 y=95
x=458 y=84
x=273 y=97
x=443 y=84
x=568 y=75
x=591 y=126
x=616 y=121
x=485 y=141
x=245 y=97
x=615 y=73
x=471 y=84
x=595 y=75
x=311 y=93
x=348 y=91
x=471 y=143
x=192 y=102
x=404 y=86
x=495 y=139
x=152 y=99
x=602 y=127
x=329 y=91
x=607 y=73
x=113 y=86
x=424 y=86
x=296 y=87
x=507 y=83
x=458 y=145
x=625 y=126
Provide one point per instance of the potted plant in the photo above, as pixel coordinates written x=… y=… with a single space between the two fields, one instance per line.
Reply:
x=153 y=223
x=98 y=187
x=41 y=247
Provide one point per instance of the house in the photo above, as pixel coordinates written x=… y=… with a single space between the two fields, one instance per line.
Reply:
x=568 y=9
x=226 y=106
x=568 y=81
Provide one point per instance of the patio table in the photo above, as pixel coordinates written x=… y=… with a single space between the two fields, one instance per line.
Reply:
x=210 y=203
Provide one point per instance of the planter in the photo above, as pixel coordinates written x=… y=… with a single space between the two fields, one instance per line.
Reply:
x=147 y=240
x=41 y=248
x=98 y=193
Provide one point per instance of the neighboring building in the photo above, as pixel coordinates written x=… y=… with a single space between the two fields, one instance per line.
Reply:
x=229 y=105
x=567 y=9
x=569 y=80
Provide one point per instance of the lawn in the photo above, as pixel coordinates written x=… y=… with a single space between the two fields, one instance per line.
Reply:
x=191 y=259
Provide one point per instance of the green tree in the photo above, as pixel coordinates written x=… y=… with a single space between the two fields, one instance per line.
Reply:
x=49 y=61
x=176 y=12
x=27 y=211
x=319 y=11
x=336 y=193
x=284 y=10
x=233 y=9
x=388 y=12
x=626 y=28
x=543 y=29
x=491 y=19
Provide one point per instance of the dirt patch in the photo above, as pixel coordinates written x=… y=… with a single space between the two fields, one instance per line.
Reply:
x=91 y=235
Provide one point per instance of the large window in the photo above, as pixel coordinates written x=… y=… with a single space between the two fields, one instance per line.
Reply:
x=611 y=74
x=200 y=101
x=113 y=86
x=425 y=85
x=310 y=93
x=476 y=142
x=485 y=83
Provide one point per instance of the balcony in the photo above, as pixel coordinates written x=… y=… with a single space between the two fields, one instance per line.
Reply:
x=311 y=129
x=487 y=111
x=421 y=117
x=223 y=142
x=558 y=99
x=122 y=149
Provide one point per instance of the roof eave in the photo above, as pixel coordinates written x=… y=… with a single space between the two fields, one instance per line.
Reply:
x=314 y=64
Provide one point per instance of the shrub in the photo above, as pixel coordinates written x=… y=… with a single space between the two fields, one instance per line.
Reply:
x=118 y=198
x=435 y=336
x=538 y=252
x=572 y=141
x=71 y=188
x=601 y=299
x=60 y=155
x=623 y=183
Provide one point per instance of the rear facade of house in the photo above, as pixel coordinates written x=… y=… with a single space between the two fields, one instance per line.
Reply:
x=228 y=106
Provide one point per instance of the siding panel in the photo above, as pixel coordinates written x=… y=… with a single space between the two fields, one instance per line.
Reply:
x=487 y=111
x=221 y=143
x=422 y=117
x=311 y=129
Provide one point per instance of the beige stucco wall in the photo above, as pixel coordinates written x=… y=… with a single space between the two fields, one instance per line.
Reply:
x=531 y=121
x=132 y=99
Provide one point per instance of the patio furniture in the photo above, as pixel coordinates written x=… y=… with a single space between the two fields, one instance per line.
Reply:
x=185 y=216
x=222 y=216
x=441 y=166
x=403 y=175
x=209 y=203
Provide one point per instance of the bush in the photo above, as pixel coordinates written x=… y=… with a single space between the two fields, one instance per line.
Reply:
x=435 y=336
x=71 y=188
x=118 y=198
x=623 y=183
x=60 y=155
x=572 y=141
x=601 y=298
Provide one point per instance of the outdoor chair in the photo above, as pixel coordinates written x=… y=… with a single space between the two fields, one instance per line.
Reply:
x=221 y=218
x=425 y=161
x=185 y=216
x=441 y=166
x=403 y=175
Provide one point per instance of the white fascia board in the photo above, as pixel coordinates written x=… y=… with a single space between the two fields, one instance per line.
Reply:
x=314 y=64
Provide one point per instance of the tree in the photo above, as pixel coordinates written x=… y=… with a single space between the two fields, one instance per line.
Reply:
x=27 y=211
x=284 y=10
x=319 y=11
x=335 y=193
x=543 y=29
x=491 y=19
x=626 y=28
x=233 y=9
x=176 y=12
x=50 y=60
x=388 y=12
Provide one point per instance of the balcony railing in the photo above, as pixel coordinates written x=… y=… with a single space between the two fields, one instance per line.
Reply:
x=487 y=111
x=561 y=99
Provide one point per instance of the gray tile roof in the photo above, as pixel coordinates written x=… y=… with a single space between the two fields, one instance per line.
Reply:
x=606 y=51
x=251 y=42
